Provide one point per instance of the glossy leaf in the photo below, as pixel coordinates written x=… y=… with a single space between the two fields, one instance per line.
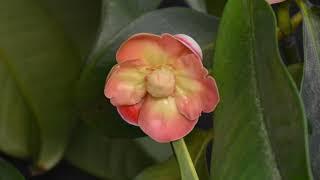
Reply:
x=198 y=5
x=117 y=15
x=311 y=80
x=39 y=69
x=109 y=158
x=8 y=172
x=260 y=128
x=169 y=170
x=95 y=108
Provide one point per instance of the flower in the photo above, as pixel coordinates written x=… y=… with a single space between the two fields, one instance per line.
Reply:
x=160 y=85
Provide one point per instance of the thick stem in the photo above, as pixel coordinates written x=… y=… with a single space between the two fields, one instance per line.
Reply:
x=187 y=170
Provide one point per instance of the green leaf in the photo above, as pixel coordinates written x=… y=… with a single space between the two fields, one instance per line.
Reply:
x=79 y=19
x=39 y=68
x=310 y=88
x=8 y=172
x=116 y=15
x=260 y=128
x=169 y=170
x=108 y=158
x=198 y=5
x=98 y=110
x=215 y=7
x=296 y=71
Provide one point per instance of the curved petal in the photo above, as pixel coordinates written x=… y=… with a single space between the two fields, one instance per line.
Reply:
x=189 y=66
x=144 y=47
x=130 y=113
x=194 y=96
x=126 y=83
x=173 y=46
x=160 y=119
x=190 y=43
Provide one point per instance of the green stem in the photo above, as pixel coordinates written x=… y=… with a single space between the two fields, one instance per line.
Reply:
x=284 y=21
x=187 y=170
x=296 y=20
x=286 y=25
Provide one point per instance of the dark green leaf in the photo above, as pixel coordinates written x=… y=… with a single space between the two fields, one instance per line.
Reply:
x=296 y=71
x=109 y=158
x=260 y=128
x=116 y=15
x=215 y=7
x=79 y=19
x=8 y=172
x=39 y=68
x=169 y=170
x=310 y=89
x=95 y=107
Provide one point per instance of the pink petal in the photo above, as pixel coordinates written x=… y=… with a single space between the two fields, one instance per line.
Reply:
x=274 y=1
x=190 y=43
x=210 y=94
x=144 y=47
x=189 y=66
x=173 y=46
x=160 y=119
x=130 y=113
x=126 y=84
x=196 y=92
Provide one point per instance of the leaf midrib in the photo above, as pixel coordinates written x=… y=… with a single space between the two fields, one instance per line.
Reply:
x=19 y=87
x=257 y=89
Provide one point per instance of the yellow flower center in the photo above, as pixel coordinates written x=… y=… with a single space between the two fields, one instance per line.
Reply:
x=161 y=82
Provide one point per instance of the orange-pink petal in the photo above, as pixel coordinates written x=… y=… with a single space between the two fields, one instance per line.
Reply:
x=126 y=83
x=130 y=113
x=190 y=43
x=139 y=47
x=157 y=50
x=189 y=66
x=194 y=96
x=160 y=119
x=173 y=46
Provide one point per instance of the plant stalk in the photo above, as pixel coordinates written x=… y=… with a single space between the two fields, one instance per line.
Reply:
x=187 y=169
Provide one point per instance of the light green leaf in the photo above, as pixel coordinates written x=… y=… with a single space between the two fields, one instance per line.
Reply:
x=310 y=88
x=95 y=108
x=260 y=128
x=109 y=158
x=8 y=172
x=39 y=69
x=169 y=170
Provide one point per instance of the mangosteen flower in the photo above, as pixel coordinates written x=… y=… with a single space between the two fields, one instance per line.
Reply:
x=160 y=85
